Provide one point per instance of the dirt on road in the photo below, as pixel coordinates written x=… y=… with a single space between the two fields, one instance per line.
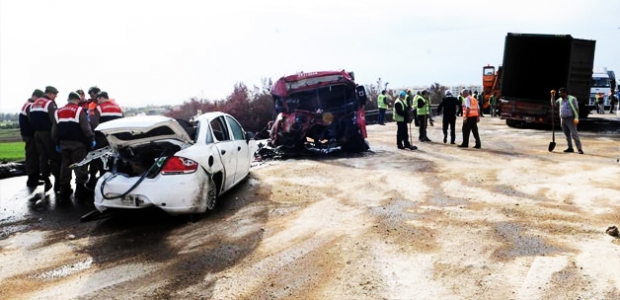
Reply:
x=508 y=221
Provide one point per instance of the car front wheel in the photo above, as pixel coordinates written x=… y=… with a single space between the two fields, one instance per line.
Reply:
x=211 y=194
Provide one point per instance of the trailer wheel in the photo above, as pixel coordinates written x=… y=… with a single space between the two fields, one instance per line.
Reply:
x=513 y=123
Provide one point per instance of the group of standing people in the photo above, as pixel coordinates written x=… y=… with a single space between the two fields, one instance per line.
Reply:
x=468 y=107
x=55 y=138
x=612 y=98
x=419 y=110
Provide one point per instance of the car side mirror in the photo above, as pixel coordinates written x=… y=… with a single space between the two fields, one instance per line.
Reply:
x=361 y=94
x=249 y=136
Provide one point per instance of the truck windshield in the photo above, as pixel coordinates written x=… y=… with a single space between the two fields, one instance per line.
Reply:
x=600 y=82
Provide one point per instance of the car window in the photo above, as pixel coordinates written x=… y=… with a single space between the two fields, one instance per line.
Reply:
x=220 y=131
x=236 y=129
x=208 y=134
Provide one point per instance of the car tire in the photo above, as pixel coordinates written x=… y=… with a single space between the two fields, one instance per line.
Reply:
x=211 y=194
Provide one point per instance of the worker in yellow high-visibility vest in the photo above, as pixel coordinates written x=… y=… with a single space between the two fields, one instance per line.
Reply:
x=382 y=104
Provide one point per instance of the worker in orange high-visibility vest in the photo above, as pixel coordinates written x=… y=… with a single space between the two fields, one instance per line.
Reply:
x=471 y=117
x=92 y=103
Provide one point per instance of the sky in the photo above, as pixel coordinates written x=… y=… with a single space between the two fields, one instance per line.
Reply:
x=159 y=52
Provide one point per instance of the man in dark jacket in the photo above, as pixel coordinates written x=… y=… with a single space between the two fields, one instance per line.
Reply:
x=450 y=106
x=42 y=116
x=480 y=102
x=73 y=133
x=27 y=132
x=106 y=110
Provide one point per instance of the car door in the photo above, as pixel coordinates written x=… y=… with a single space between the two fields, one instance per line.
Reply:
x=227 y=148
x=242 y=148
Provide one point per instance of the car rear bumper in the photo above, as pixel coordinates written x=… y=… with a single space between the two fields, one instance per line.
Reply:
x=175 y=194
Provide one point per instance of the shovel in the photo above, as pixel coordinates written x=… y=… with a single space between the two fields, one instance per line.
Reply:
x=552 y=143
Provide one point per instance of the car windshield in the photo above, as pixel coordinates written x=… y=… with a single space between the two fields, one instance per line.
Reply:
x=598 y=82
x=331 y=98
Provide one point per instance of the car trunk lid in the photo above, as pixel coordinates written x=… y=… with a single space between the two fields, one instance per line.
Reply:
x=139 y=130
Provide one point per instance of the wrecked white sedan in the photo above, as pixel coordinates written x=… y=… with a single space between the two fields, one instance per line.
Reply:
x=179 y=166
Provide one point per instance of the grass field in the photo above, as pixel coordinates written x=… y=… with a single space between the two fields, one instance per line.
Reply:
x=12 y=151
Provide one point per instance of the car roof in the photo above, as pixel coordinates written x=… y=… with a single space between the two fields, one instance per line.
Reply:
x=209 y=116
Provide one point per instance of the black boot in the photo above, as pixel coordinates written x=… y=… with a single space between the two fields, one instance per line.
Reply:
x=65 y=191
x=90 y=185
x=81 y=192
x=33 y=181
x=48 y=185
x=56 y=183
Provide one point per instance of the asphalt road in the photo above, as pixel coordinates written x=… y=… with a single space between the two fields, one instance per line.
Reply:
x=519 y=224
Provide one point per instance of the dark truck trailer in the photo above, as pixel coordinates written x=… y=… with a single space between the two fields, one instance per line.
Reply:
x=535 y=64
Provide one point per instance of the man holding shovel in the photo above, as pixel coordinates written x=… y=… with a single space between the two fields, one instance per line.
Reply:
x=402 y=118
x=569 y=117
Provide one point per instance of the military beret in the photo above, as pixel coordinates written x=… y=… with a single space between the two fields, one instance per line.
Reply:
x=103 y=94
x=38 y=93
x=73 y=96
x=51 y=90
x=94 y=89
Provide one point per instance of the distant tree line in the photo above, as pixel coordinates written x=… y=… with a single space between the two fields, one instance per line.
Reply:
x=9 y=117
x=9 y=120
x=252 y=108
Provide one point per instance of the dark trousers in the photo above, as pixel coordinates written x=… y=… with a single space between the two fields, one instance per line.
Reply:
x=96 y=165
x=402 y=136
x=49 y=159
x=423 y=119
x=32 y=157
x=381 y=117
x=471 y=126
x=70 y=153
x=449 y=121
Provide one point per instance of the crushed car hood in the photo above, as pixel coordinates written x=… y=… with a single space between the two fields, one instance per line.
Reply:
x=142 y=129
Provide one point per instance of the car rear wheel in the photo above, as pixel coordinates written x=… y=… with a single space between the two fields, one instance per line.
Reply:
x=211 y=194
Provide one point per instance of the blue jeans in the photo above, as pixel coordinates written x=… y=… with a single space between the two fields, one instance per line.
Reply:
x=381 y=118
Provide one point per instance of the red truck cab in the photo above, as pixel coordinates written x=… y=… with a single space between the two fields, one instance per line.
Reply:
x=322 y=111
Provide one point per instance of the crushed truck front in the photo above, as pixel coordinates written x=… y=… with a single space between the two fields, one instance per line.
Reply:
x=319 y=111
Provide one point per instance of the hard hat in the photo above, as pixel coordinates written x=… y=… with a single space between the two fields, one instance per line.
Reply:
x=464 y=91
x=402 y=93
x=448 y=93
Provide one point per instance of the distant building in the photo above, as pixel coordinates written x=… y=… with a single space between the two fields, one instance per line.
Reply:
x=455 y=89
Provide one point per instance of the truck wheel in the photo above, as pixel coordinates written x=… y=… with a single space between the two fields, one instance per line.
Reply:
x=513 y=123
